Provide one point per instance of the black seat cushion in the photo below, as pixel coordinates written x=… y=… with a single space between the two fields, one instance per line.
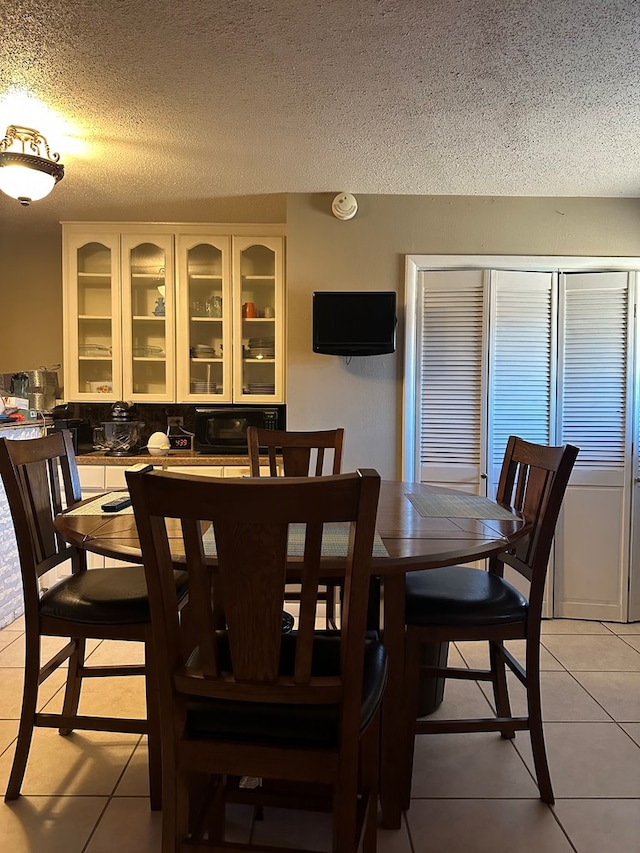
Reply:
x=459 y=595
x=295 y=725
x=115 y=596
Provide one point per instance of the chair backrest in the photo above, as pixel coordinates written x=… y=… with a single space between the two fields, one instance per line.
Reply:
x=236 y=598
x=533 y=480
x=297 y=447
x=32 y=470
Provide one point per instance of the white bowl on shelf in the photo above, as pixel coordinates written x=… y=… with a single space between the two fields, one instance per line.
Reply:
x=105 y=387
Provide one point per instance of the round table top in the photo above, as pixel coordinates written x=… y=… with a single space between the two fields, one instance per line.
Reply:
x=421 y=526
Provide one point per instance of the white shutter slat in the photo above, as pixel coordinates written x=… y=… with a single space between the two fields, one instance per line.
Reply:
x=450 y=358
x=520 y=361
x=594 y=368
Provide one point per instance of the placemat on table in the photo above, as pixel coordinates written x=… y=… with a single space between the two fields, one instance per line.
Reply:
x=458 y=506
x=95 y=507
x=335 y=539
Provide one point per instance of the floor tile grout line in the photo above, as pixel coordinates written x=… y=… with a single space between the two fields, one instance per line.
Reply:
x=591 y=696
x=572 y=672
x=562 y=828
x=111 y=796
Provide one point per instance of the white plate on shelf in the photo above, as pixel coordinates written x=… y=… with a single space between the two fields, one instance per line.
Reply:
x=261 y=388
x=202 y=387
x=94 y=351
x=147 y=352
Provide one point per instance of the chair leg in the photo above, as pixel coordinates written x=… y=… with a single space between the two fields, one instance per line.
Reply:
x=345 y=814
x=370 y=762
x=536 y=732
x=74 y=682
x=27 y=716
x=154 y=743
x=216 y=823
x=500 y=689
x=175 y=815
x=410 y=702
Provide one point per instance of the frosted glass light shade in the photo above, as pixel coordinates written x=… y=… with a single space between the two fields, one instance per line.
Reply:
x=24 y=182
x=25 y=174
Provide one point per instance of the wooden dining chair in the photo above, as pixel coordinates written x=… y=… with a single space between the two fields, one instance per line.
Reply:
x=299 y=454
x=462 y=603
x=298 y=711
x=104 y=604
x=302 y=452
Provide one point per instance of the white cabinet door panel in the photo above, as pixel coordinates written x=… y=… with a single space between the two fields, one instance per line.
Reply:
x=114 y=477
x=91 y=479
x=202 y=471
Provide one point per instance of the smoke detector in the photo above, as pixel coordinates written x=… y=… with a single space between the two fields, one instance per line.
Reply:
x=344 y=206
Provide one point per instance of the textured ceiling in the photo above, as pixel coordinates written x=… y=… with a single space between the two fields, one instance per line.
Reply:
x=185 y=100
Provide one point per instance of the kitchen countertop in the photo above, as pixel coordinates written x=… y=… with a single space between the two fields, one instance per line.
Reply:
x=22 y=424
x=174 y=457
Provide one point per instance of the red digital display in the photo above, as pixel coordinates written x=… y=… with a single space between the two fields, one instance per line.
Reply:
x=180 y=442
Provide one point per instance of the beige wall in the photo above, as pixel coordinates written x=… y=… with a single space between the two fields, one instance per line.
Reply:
x=323 y=253
x=368 y=252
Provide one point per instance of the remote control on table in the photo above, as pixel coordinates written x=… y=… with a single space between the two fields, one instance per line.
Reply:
x=117 y=504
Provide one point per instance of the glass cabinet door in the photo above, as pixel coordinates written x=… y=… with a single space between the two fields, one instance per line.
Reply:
x=148 y=310
x=259 y=320
x=92 y=340
x=204 y=310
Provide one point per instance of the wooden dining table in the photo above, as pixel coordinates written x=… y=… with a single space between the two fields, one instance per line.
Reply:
x=421 y=527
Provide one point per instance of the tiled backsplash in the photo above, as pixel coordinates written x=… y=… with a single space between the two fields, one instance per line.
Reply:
x=153 y=415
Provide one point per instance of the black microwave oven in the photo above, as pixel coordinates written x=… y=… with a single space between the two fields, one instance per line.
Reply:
x=223 y=429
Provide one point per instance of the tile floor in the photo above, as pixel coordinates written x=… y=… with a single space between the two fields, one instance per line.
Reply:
x=472 y=793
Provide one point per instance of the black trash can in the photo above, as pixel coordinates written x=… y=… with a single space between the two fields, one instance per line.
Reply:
x=432 y=688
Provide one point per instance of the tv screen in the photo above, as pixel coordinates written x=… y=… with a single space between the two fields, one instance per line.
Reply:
x=354 y=322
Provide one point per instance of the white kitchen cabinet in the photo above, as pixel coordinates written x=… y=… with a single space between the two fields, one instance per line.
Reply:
x=547 y=354
x=204 y=318
x=217 y=470
x=200 y=470
x=258 y=288
x=92 y=343
x=154 y=313
x=148 y=324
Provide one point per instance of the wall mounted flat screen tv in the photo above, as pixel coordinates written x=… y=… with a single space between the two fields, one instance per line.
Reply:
x=354 y=322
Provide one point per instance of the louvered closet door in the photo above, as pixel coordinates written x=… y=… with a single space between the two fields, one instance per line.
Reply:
x=522 y=363
x=634 y=558
x=592 y=541
x=451 y=384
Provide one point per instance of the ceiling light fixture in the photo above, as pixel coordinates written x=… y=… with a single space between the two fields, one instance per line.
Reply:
x=28 y=171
